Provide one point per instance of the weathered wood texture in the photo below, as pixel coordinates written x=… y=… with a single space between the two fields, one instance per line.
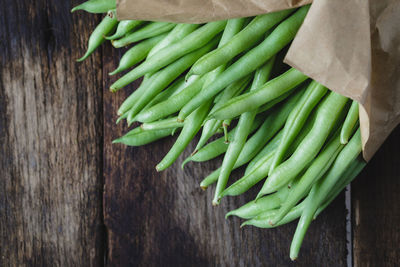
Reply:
x=50 y=137
x=376 y=208
x=165 y=219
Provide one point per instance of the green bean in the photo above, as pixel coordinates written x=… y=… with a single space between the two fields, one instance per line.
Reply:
x=137 y=53
x=272 y=124
x=245 y=121
x=327 y=114
x=297 y=118
x=166 y=76
x=180 y=31
x=254 y=31
x=349 y=123
x=142 y=137
x=210 y=127
x=322 y=188
x=97 y=37
x=124 y=27
x=165 y=56
x=150 y=30
x=172 y=104
x=162 y=124
x=317 y=169
x=252 y=100
x=253 y=208
x=191 y=126
x=96 y=6
x=249 y=62
x=275 y=101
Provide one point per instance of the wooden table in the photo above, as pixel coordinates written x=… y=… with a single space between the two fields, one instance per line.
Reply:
x=70 y=198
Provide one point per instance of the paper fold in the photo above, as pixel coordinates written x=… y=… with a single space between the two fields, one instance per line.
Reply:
x=350 y=46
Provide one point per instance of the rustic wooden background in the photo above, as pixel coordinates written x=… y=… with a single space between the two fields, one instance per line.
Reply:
x=70 y=198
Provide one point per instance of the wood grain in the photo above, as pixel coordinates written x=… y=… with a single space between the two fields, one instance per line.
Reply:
x=50 y=137
x=165 y=219
x=376 y=208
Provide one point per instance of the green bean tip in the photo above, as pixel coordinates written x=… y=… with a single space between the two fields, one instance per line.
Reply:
x=203 y=187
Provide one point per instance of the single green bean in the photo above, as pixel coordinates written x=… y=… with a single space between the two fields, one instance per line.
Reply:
x=349 y=123
x=162 y=124
x=137 y=53
x=142 y=137
x=253 y=32
x=124 y=27
x=172 y=52
x=327 y=114
x=96 y=6
x=150 y=30
x=97 y=37
x=322 y=188
x=191 y=126
x=276 y=41
x=297 y=119
x=252 y=100
x=166 y=76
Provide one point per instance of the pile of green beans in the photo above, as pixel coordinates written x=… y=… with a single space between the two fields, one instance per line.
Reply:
x=227 y=79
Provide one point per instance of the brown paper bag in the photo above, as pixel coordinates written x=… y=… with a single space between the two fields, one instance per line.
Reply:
x=350 y=46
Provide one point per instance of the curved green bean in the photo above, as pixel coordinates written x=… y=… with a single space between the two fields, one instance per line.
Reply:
x=137 y=53
x=96 y=6
x=97 y=37
x=349 y=123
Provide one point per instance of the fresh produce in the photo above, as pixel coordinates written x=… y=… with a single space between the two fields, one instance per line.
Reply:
x=227 y=78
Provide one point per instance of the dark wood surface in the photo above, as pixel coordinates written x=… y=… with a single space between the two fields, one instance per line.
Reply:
x=68 y=197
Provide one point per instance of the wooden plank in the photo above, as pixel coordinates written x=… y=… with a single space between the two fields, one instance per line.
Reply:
x=50 y=137
x=165 y=219
x=376 y=208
